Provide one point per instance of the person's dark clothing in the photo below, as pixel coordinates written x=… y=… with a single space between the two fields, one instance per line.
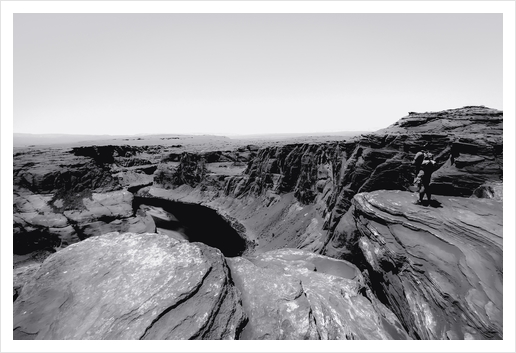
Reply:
x=424 y=169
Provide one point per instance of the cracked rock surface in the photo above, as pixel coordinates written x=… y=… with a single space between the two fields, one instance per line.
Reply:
x=294 y=294
x=130 y=286
x=439 y=266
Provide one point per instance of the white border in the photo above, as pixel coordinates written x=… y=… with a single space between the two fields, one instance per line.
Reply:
x=256 y=6
x=8 y=8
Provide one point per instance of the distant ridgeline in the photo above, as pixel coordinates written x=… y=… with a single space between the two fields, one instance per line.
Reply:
x=69 y=140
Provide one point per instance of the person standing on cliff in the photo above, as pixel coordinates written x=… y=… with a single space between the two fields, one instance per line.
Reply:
x=425 y=166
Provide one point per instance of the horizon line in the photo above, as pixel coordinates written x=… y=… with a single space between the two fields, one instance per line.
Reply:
x=197 y=133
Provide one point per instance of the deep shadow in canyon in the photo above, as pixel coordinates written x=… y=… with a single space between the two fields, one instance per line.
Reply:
x=197 y=224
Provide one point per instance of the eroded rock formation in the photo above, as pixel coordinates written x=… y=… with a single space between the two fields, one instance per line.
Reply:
x=427 y=272
x=467 y=145
x=130 y=286
x=295 y=294
x=465 y=120
x=150 y=286
x=439 y=267
x=62 y=196
x=39 y=224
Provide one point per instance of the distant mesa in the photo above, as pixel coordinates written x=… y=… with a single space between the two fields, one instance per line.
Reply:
x=465 y=120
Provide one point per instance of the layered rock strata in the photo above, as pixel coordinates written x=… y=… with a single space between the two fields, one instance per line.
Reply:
x=64 y=195
x=150 y=286
x=438 y=267
x=39 y=224
x=130 y=286
x=295 y=294
x=325 y=177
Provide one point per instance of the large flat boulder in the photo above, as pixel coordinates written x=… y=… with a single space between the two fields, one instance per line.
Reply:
x=294 y=294
x=438 y=266
x=130 y=286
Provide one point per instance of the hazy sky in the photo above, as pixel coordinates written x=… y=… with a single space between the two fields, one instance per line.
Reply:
x=248 y=73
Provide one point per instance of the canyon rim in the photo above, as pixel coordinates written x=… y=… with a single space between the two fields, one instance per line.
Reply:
x=181 y=237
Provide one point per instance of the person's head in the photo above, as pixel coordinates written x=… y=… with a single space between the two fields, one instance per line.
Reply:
x=429 y=155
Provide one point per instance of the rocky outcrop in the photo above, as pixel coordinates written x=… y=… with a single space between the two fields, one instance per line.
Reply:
x=490 y=190
x=190 y=171
x=40 y=223
x=36 y=226
x=294 y=294
x=125 y=155
x=130 y=286
x=241 y=155
x=304 y=169
x=437 y=266
x=63 y=176
x=466 y=120
x=472 y=162
x=468 y=155
x=65 y=173
x=385 y=162
x=62 y=196
x=109 y=212
x=151 y=286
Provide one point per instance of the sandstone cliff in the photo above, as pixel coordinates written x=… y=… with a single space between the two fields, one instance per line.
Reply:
x=467 y=145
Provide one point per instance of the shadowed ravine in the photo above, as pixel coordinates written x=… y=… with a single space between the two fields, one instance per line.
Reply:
x=195 y=223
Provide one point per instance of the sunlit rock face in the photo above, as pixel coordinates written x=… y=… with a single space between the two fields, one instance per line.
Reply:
x=438 y=266
x=130 y=286
x=152 y=286
x=62 y=196
x=39 y=224
x=295 y=294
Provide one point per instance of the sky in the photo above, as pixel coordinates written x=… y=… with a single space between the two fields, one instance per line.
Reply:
x=235 y=74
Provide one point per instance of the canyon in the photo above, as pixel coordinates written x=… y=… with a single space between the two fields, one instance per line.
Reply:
x=258 y=240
